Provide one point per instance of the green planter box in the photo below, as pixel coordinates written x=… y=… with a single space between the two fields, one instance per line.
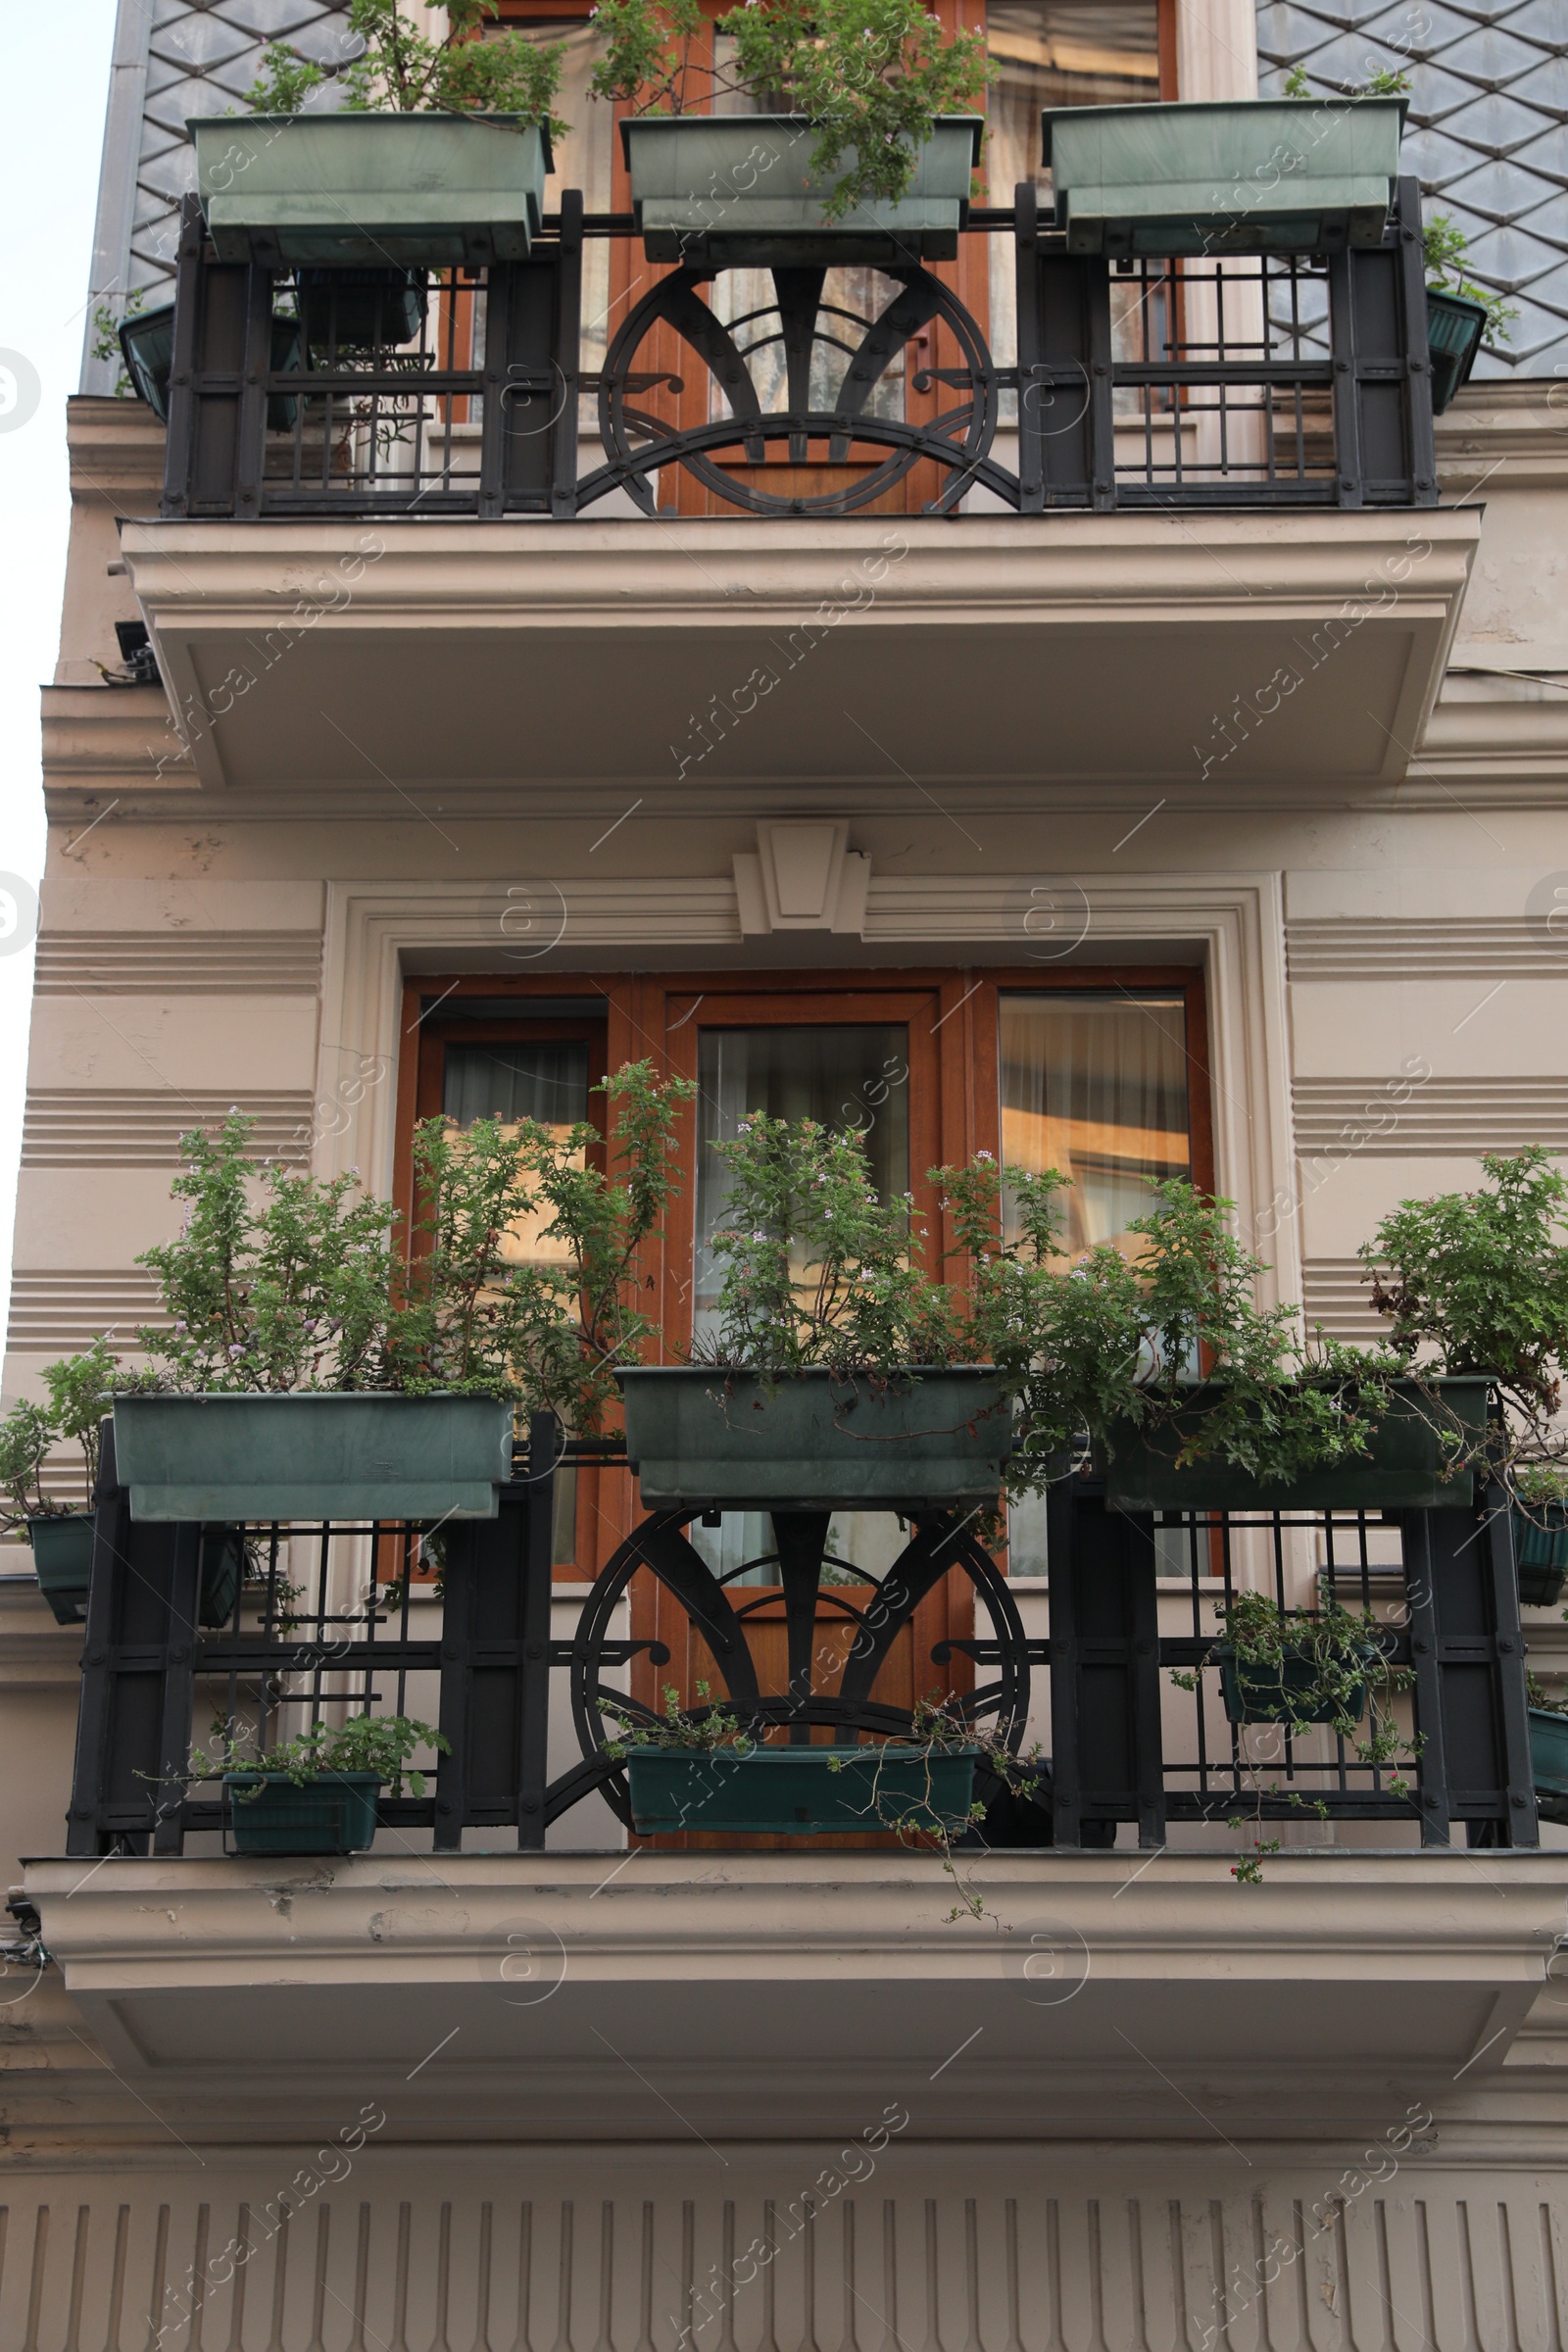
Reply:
x=61 y=1554
x=798 y=1791
x=738 y=190
x=1549 y=1762
x=1264 y=1695
x=938 y=1438
x=1233 y=175
x=361 y=191
x=334 y=1815
x=1403 y=1470
x=1454 y=328
x=1541 y=1552
x=312 y=1456
x=147 y=346
x=359 y=309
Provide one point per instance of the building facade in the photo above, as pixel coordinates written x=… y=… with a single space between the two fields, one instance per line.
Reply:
x=1161 y=770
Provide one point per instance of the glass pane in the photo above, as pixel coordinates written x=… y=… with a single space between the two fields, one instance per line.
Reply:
x=1096 y=1085
x=1053 y=52
x=850 y=1079
x=853 y=300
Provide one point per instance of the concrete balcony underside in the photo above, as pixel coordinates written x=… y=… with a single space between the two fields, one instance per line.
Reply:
x=581 y=1995
x=1271 y=649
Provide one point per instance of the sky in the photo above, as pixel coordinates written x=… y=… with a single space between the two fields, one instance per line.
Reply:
x=54 y=83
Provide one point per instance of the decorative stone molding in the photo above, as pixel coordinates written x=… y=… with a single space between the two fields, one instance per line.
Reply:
x=804 y=877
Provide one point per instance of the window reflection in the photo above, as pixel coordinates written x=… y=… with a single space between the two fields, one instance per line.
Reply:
x=1095 y=1084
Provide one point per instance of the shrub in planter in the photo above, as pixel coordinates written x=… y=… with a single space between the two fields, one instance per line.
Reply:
x=864 y=151
x=311 y=1372
x=1549 y=1751
x=79 y=1390
x=438 y=155
x=316 y=1794
x=1539 y=1518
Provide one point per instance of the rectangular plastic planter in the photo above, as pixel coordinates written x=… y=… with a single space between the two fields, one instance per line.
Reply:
x=1456 y=327
x=334 y=1815
x=1261 y=1695
x=811 y=1442
x=1231 y=175
x=359 y=309
x=796 y=1791
x=1403 y=1469
x=356 y=1457
x=61 y=1554
x=1549 y=1762
x=1541 y=1552
x=738 y=190
x=361 y=191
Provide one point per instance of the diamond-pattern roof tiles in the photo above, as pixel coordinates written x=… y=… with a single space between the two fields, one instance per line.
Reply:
x=1487 y=134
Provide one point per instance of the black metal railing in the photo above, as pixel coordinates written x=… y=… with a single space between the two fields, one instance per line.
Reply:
x=339 y=1619
x=1250 y=382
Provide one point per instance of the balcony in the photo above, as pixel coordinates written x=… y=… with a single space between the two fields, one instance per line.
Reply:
x=1221 y=481
x=170 y=1930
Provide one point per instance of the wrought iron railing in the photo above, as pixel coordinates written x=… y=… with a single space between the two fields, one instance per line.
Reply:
x=338 y=1620
x=1252 y=381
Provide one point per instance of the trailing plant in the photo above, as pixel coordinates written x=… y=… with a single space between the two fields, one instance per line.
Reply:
x=1107 y=1338
x=1553 y=1701
x=400 y=71
x=871 y=76
x=1305 y=1669
x=704 y=1728
x=1477 y=1283
x=80 y=1389
x=817 y=1268
x=378 y=1743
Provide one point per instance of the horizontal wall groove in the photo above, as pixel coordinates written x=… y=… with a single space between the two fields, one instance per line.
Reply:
x=55 y=1310
x=93 y=1127
x=179 y=963
x=1335 y=1294
x=1395 y=1117
x=1426 y=948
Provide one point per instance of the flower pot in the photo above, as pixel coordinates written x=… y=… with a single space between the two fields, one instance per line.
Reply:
x=61 y=1554
x=1541 y=1551
x=1258 y=1694
x=359 y=309
x=312 y=1456
x=332 y=1815
x=147 y=346
x=1456 y=327
x=363 y=191
x=1549 y=1762
x=799 y=1791
x=1232 y=175
x=810 y=1441
x=1402 y=1468
x=739 y=191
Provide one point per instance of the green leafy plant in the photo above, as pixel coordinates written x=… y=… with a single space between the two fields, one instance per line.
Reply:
x=871 y=76
x=1445 y=247
x=378 y=1743
x=401 y=71
x=80 y=1391
x=818 y=1269
x=1477 y=1283
x=703 y=1728
x=1552 y=1701
x=106 y=327
x=1107 y=1338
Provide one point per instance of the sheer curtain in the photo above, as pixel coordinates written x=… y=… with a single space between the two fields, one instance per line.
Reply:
x=1094 y=1084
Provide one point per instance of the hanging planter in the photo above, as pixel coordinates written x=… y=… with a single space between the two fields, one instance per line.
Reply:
x=1456 y=327
x=740 y=191
x=1404 y=1467
x=1234 y=175
x=799 y=1791
x=268 y=1814
x=147 y=346
x=1541 y=1551
x=809 y=1441
x=1548 y=1761
x=360 y=1456
x=361 y=191
x=61 y=1554
x=1286 y=1692
x=359 y=309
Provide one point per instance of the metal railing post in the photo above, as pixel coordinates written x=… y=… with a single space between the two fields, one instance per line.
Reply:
x=533 y=1763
